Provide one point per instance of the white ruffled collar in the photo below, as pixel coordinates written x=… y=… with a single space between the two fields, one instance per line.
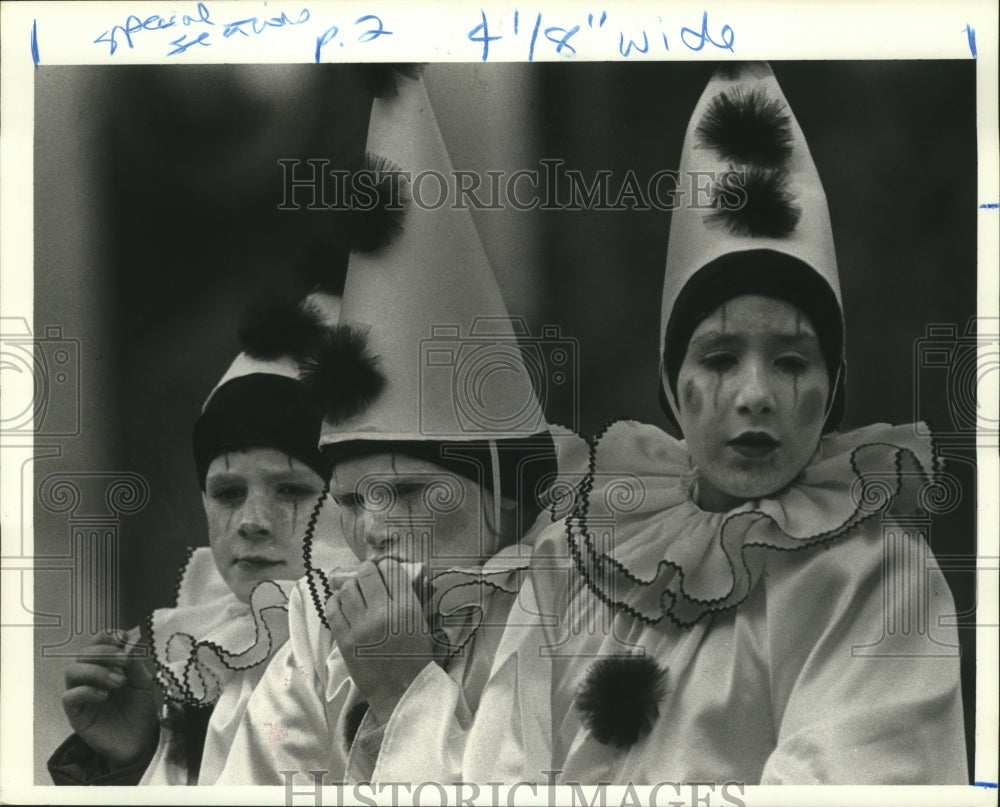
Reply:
x=643 y=546
x=210 y=635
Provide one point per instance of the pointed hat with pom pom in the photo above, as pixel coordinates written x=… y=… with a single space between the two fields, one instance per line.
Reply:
x=423 y=307
x=766 y=229
x=260 y=401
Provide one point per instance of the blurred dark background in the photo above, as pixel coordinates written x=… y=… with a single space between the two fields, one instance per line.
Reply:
x=156 y=220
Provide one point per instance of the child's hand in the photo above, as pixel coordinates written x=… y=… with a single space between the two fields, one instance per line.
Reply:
x=379 y=625
x=111 y=702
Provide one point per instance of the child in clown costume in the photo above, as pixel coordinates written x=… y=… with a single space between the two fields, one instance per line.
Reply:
x=168 y=717
x=754 y=603
x=433 y=491
x=757 y=595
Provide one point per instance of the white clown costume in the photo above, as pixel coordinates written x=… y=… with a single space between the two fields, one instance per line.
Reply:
x=428 y=280
x=800 y=638
x=209 y=649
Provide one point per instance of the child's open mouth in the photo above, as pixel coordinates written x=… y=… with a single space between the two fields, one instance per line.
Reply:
x=257 y=562
x=754 y=444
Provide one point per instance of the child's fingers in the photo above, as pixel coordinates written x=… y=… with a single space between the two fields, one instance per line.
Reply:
x=397 y=581
x=405 y=610
x=82 y=696
x=337 y=578
x=82 y=673
x=352 y=602
x=138 y=666
x=394 y=577
x=339 y=624
x=111 y=636
x=371 y=585
x=103 y=653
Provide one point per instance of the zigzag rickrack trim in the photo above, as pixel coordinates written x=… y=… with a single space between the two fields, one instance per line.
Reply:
x=179 y=690
x=312 y=572
x=589 y=567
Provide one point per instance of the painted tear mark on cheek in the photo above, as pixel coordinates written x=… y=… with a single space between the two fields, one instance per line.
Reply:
x=717 y=390
x=691 y=398
x=229 y=519
x=795 y=388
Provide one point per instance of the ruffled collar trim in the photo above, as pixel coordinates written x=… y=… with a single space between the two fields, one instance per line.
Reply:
x=210 y=635
x=461 y=598
x=643 y=546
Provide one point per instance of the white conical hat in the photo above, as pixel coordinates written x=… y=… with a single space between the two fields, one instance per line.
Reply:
x=743 y=123
x=429 y=307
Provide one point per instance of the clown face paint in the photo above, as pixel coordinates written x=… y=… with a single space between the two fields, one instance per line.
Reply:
x=752 y=395
x=257 y=503
x=413 y=510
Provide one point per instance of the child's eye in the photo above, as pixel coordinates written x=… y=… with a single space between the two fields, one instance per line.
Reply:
x=792 y=364
x=717 y=362
x=404 y=489
x=228 y=494
x=297 y=491
x=349 y=501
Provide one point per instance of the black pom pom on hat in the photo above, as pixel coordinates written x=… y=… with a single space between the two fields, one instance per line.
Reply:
x=756 y=202
x=379 y=198
x=620 y=699
x=342 y=374
x=745 y=126
x=275 y=326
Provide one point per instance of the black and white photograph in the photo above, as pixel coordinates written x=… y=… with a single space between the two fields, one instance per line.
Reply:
x=496 y=427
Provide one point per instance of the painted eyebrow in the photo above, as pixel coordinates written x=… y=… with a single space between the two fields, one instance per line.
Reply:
x=283 y=474
x=225 y=476
x=396 y=480
x=718 y=338
x=415 y=479
x=293 y=477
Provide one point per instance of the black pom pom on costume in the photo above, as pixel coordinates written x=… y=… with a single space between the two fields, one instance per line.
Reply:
x=746 y=127
x=620 y=698
x=756 y=202
x=379 y=198
x=276 y=326
x=342 y=374
x=383 y=79
x=352 y=722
